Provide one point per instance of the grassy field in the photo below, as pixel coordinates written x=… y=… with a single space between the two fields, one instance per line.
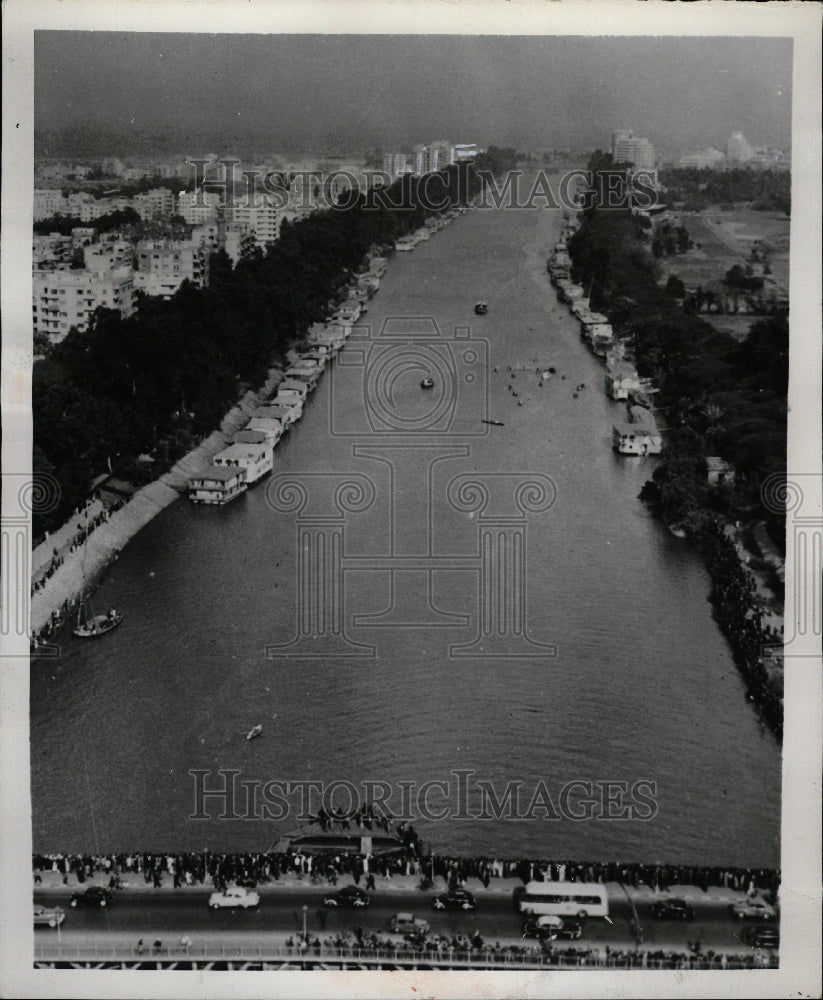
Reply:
x=726 y=238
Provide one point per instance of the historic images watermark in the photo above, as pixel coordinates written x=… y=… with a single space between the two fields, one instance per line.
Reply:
x=412 y=398
x=25 y=495
x=461 y=795
x=619 y=188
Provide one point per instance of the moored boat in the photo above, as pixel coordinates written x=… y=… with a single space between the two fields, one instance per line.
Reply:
x=90 y=627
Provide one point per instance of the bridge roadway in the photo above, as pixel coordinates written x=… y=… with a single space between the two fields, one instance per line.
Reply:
x=168 y=914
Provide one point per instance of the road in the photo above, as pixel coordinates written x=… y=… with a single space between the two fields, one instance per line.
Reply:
x=139 y=913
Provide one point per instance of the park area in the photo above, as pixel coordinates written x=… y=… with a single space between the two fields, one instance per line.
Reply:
x=725 y=237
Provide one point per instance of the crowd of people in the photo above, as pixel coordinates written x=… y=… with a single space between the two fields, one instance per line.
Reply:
x=260 y=868
x=738 y=613
x=84 y=529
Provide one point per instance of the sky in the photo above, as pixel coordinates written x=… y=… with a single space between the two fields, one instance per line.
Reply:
x=391 y=91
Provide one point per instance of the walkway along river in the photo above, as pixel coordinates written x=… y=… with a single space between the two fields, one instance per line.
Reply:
x=642 y=686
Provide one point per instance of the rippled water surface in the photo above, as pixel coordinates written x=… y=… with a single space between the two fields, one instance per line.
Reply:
x=642 y=686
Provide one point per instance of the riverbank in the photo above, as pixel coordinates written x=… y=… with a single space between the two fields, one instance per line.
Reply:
x=66 y=570
x=81 y=566
x=205 y=592
x=720 y=399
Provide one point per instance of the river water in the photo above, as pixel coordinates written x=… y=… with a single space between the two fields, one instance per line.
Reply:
x=606 y=665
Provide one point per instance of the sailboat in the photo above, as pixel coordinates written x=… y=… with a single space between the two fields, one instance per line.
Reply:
x=89 y=625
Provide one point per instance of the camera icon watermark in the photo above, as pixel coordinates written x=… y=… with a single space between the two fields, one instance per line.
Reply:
x=411 y=379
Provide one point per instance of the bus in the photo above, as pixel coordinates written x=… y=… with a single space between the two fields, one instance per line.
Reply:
x=563 y=899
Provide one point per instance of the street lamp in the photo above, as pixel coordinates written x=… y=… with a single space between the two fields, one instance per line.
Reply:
x=305 y=915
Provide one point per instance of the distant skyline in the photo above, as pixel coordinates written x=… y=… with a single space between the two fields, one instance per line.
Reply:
x=312 y=92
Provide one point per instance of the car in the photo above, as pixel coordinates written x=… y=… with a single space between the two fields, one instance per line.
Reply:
x=234 y=896
x=45 y=916
x=96 y=895
x=753 y=908
x=547 y=928
x=455 y=899
x=571 y=930
x=672 y=909
x=407 y=923
x=762 y=937
x=349 y=895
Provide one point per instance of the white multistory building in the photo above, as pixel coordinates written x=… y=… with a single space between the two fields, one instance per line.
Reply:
x=154 y=204
x=108 y=255
x=197 y=207
x=441 y=155
x=629 y=148
x=263 y=221
x=394 y=164
x=163 y=265
x=703 y=159
x=49 y=202
x=65 y=299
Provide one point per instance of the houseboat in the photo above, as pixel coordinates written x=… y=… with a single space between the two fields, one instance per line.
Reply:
x=349 y=312
x=294 y=385
x=286 y=414
x=307 y=376
x=621 y=377
x=257 y=458
x=639 y=435
x=217 y=485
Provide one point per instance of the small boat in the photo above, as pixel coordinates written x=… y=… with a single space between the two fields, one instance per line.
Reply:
x=497 y=423
x=91 y=627
x=427 y=383
x=254 y=731
x=481 y=308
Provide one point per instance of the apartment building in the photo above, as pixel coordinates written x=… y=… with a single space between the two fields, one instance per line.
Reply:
x=66 y=299
x=629 y=148
x=48 y=202
x=171 y=262
x=197 y=207
x=261 y=220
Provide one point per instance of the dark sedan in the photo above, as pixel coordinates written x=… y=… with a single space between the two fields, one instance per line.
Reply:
x=762 y=937
x=95 y=896
x=350 y=895
x=672 y=909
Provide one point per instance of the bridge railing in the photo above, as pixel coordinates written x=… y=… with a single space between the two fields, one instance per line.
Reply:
x=53 y=952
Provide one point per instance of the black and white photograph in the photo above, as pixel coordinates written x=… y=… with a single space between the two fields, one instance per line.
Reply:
x=411 y=499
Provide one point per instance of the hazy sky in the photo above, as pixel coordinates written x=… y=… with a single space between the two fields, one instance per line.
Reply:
x=393 y=90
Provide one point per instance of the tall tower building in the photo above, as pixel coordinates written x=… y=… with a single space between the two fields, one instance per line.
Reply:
x=628 y=148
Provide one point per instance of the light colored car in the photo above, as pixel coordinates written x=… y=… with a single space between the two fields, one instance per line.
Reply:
x=544 y=927
x=753 y=908
x=407 y=923
x=234 y=896
x=45 y=916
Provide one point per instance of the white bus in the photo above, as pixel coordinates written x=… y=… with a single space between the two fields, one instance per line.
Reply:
x=563 y=899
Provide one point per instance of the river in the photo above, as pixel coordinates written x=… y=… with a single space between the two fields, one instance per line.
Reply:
x=642 y=687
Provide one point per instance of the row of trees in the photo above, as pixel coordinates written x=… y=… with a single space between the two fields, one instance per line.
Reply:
x=717 y=396
x=699 y=188
x=103 y=397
